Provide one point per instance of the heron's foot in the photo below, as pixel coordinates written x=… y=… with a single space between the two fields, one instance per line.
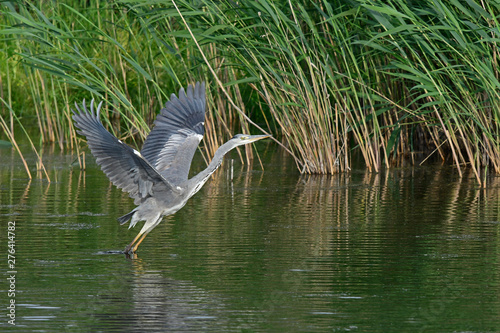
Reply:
x=129 y=252
x=130 y=255
x=129 y=249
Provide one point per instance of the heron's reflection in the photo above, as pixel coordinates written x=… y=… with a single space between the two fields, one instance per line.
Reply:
x=152 y=300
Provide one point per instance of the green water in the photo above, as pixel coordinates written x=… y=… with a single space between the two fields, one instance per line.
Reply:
x=409 y=250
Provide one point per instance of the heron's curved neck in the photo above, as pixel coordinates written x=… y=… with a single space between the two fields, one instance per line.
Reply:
x=216 y=161
x=200 y=179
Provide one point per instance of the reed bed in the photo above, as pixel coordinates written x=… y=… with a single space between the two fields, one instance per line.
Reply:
x=391 y=82
x=73 y=50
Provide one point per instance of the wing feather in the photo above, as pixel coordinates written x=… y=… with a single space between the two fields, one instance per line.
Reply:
x=124 y=166
x=177 y=131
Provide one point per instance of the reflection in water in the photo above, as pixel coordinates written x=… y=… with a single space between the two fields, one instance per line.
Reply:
x=154 y=302
x=413 y=249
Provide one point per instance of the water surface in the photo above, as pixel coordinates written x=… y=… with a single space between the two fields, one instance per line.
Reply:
x=411 y=249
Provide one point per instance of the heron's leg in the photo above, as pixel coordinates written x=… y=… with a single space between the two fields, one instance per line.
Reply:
x=139 y=242
x=127 y=249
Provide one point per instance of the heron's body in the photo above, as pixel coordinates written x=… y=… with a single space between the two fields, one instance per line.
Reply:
x=166 y=202
x=157 y=177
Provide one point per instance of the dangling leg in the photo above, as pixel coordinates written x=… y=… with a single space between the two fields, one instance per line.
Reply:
x=127 y=249
x=131 y=248
x=148 y=226
x=139 y=242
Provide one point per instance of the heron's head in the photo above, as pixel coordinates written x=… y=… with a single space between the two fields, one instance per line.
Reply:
x=243 y=139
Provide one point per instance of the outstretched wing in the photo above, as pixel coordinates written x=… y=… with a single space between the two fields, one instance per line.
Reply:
x=178 y=130
x=123 y=165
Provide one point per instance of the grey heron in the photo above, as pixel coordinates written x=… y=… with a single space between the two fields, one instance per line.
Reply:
x=157 y=177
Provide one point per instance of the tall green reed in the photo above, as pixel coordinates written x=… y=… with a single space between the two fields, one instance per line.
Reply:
x=69 y=51
x=384 y=79
x=300 y=59
x=388 y=80
x=446 y=53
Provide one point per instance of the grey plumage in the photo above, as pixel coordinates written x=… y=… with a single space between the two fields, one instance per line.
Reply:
x=157 y=177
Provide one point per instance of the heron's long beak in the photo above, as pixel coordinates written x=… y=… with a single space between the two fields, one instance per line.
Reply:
x=253 y=138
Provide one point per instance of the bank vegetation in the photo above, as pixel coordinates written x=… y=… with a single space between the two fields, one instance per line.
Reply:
x=390 y=82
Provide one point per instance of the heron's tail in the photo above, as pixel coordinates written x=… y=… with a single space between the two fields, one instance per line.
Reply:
x=124 y=219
